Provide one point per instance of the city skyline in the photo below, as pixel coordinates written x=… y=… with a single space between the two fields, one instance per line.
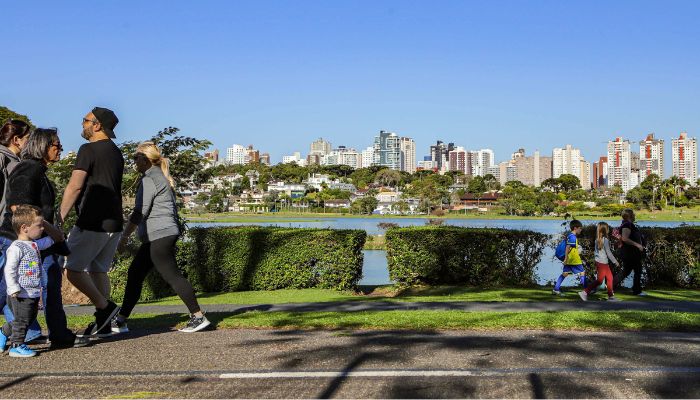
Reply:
x=498 y=75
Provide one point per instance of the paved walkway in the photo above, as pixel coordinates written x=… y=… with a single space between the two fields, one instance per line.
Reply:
x=353 y=306
x=245 y=363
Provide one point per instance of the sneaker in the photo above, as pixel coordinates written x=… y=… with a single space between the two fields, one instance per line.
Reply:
x=196 y=324
x=613 y=298
x=119 y=326
x=642 y=294
x=556 y=292
x=76 y=341
x=21 y=351
x=41 y=339
x=87 y=332
x=104 y=316
x=106 y=331
x=3 y=341
x=583 y=295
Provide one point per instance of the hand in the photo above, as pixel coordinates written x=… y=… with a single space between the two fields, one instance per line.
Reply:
x=640 y=247
x=15 y=294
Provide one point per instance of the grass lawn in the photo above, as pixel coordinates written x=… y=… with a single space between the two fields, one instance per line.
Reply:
x=441 y=293
x=427 y=320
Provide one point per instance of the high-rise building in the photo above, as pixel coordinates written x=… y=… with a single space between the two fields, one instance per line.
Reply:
x=600 y=173
x=619 y=168
x=343 y=156
x=651 y=157
x=408 y=154
x=531 y=170
x=634 y=161
x=236 y=155
x=320 y=147
x=265 y=158
x=507 y=171
x=458 y=160
x=294 y=158
x=387 y=149
x=367 y=157
x=439 y=154
x=251 y=155
x=685 y=158
x=585 y=177
x=211 y=158
x=566 y=160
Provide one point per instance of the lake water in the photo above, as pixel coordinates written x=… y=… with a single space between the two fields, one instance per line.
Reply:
x=375 y=270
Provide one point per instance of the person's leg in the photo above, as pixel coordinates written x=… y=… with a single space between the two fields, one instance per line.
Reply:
x=138 y=270
x=557 y=286
x=53 y=303
x=85 y=246
x=637 y=280
x=605 y=273
x=101 y=282
x=599 y=278
x=83 y=282
x=163 y=256
x=25 y=311
x=626 y=270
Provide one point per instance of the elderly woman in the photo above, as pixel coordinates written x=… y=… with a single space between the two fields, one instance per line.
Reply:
x=632 y=252
x=28 y=184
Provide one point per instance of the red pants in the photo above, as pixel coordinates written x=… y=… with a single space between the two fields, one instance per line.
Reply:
x=604 y=273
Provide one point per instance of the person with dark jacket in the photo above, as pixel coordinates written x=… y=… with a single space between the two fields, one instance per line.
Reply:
x=632 y=252
x=28 y=184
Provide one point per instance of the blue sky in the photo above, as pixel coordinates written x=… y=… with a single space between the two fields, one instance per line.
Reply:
x=279 y=74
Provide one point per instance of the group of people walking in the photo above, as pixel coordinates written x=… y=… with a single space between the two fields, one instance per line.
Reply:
x=632 y=248
x=34 y=250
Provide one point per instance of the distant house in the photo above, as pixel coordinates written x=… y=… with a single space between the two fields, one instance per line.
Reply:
x=340 y=203
x=472 y=201
x=293 y=190
x=388 y=197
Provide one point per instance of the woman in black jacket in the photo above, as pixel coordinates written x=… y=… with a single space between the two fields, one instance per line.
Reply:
x=28 y=184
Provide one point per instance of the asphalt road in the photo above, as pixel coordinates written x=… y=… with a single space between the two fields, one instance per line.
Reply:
x=364 y=364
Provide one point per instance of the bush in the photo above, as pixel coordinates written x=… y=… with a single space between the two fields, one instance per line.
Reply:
x=672 y=258
x=258 y=258
x=464 y=256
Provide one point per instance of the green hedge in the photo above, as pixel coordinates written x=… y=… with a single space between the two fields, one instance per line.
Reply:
x=259 y=258
x=673 y=255
x=465 y=256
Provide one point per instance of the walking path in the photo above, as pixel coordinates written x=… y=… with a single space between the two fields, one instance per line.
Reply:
x=353 y=306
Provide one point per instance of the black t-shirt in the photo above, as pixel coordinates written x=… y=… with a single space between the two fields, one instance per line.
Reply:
x=99 y=206
x=635 y=235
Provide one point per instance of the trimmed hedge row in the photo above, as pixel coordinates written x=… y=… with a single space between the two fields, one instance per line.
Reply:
x=672 y=257
x=464 y=256
x=227 y=259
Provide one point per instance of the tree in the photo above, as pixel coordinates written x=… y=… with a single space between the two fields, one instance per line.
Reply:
x=491 y=182
x=388 y=177
x=364 y=205
x=6 y=113
x=569 y=182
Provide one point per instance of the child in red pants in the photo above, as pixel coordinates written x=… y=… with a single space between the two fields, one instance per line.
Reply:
x=603 y=257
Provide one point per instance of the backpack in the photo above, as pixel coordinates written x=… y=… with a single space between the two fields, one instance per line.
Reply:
x=560 y=251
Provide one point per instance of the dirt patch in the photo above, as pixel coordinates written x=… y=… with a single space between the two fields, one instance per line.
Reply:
x=70 y=294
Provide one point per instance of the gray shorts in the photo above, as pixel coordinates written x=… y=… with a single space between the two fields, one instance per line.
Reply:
x=91 y=251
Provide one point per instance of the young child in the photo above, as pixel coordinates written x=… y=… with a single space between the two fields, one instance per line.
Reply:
x=603 y=257
x=23 y=273
x=572 y=262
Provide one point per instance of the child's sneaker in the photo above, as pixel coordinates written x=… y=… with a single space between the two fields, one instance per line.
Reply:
x=556 y=292
x=21 y=351
x=119 y=326
x=3 y=341
x=642 y=294
x=583 y=295
x=196 y=324
x=613 y=298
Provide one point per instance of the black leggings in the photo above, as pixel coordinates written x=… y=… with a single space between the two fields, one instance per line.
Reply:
x=160 y=254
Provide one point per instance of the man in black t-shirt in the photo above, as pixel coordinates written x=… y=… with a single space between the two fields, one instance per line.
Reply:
x=95 y=191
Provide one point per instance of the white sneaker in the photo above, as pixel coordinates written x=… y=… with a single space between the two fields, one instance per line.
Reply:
x=556 y=292
x=196 y=324
x=642 y=294
x=613 y=298
x=583 y=295
x=119 y=326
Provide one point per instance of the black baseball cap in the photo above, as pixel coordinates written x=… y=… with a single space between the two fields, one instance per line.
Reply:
x=107 y=119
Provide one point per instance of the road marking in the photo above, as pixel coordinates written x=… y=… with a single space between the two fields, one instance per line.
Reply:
x=441 y=373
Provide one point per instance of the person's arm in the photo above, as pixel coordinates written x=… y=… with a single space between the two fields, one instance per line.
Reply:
x=608 y=251
x=626 y=232
x=44 y=243
x=71 y=194
x=142 y=208
x=12 y=271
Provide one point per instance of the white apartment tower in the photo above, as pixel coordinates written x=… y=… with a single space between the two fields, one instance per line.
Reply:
x=368 y=157
x=651 y=157
x=408 y=154
x=619 y=170
x=566 y=160
x=236 y=154
x=685 y=158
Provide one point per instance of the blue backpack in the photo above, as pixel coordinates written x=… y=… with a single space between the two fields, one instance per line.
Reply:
x=560 y=251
